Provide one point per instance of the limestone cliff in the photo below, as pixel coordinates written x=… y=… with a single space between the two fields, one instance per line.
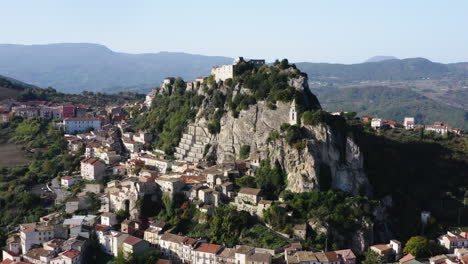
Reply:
x=324 y=147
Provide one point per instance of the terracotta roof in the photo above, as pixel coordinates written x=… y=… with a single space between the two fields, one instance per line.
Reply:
x=28 y=229
x=99 y=227
x=382 y=247
x=131 y=240
x=250 y=191
x=346 y=254
x=11 y=253
x=332 y=256
x=163 y=261
x=67 y=178
x=72 y=253
x=7 y=261
x=406 y=258
x=208 y=248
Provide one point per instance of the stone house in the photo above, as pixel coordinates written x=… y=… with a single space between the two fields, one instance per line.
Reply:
x=309 y=257
x=94 y=188
x=259 y=258
x=92 y=169
x=170 y=186
x=300 y=231
x=226 y=256
x=346 y=256
x=108 y=219
x=389 y=252
x=38 y=256
x=129 y=226
x=248 y=195
x=134 y=245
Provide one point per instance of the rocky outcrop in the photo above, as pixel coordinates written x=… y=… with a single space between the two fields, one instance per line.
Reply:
x=324 y=148
x=329 y=159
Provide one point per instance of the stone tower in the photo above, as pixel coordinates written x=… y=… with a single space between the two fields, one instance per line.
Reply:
x=293 y=113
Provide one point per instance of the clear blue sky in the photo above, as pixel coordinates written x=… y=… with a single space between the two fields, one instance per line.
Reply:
x=345 y=31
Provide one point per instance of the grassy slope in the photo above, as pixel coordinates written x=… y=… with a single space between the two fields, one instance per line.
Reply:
x=390 y=103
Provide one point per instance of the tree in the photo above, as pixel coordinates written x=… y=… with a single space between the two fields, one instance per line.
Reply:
x=372 y=258
x=284 y=64
x=244 y=152
x=246 y=181
x=417 y=246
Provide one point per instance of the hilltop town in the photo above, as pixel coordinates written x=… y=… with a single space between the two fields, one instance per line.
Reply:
x=260 y=161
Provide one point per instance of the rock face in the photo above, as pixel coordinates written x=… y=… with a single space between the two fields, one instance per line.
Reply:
x=324 y=147
x=329 y=159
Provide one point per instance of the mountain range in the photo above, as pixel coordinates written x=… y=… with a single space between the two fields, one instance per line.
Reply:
x=76 y=67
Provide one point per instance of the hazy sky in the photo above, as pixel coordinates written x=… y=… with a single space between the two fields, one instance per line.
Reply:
x=346 y=31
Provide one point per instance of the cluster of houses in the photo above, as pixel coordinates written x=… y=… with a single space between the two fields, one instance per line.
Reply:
x=455 y=243
x=56 y=240
x=408 y=123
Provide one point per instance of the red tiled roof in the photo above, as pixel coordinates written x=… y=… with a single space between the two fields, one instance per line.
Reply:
x=99 y=227
x=6 y=261
x=67 y=178
x=332 y=256
x=11 y=253
x=163 y=261
x=208 y=248
x=131 y=240
x=407 y=258
x=72 y=253
x=28 y=229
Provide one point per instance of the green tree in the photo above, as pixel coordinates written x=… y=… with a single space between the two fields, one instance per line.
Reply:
x=246 y=181
x=244 y=152
x=370 y=257
x=418 y=246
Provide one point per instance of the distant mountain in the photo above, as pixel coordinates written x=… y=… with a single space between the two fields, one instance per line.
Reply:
x=75 y=67
x=390 y=103
x=401 y=70
x=381 y=58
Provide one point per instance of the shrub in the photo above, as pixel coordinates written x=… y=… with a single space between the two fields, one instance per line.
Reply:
x=244 y=152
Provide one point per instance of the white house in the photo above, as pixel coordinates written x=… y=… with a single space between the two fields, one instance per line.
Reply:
x=74 y=125
x=452 y=241
x=68 y=181
x=438 y=127
x=408 y=122
x=92 y=169
x=376 y=123
x=205 y=253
